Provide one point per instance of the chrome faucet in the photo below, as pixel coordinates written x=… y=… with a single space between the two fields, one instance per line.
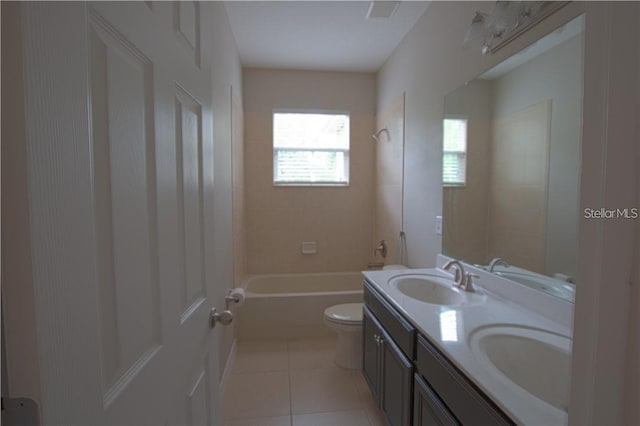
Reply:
x=497 y=261
x=459 y=274
x=382 y=249
x=463 y=280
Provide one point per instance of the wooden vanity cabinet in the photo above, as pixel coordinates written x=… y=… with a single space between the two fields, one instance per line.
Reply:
x=388 y=371
x=437 y=394
x=386 y=367
x=469 y=405
x=428 y=408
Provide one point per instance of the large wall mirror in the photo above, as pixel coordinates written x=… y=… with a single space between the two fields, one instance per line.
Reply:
x=511 y=165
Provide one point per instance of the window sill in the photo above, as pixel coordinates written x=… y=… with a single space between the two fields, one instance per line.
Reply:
x=310 y=185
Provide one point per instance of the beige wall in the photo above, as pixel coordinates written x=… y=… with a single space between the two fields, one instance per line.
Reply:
x=555 y=75
x=465 y=208
x=518 y=186
x=239 y=223
x=226 y=72
x=428 y=64
x=388 y=171
x=279 y=219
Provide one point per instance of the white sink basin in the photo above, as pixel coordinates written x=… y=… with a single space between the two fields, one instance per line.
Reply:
x=434 y=289
x=535 y=360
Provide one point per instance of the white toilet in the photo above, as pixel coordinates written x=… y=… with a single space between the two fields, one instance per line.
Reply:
x=346 y=320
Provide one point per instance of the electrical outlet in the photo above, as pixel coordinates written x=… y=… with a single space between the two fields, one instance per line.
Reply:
x=438 y=225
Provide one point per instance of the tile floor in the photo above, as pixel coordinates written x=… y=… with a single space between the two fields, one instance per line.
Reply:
x=295 y=383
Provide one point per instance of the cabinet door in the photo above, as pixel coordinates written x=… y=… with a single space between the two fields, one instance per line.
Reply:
x=397 y=384
x=371 y=353
x=428 y=409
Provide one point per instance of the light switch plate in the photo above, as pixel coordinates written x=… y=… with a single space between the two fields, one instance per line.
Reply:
x=438 y=225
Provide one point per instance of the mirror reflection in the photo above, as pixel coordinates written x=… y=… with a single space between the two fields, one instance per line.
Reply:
x=511 y=165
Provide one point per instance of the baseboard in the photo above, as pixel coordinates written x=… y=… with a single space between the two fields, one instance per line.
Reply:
x=228 y=367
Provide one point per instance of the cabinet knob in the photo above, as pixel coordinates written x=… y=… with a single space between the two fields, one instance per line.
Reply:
x=378 y=339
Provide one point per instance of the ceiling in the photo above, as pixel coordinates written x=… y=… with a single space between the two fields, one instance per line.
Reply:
x=318 y=35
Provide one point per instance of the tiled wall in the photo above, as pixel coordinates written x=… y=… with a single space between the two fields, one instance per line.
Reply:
x=465 y=208
x=519 y=184
x=279 y=219
x=389 y=171
x=556 y=75
x=238 y=212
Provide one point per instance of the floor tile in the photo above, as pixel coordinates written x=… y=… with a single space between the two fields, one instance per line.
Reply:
x=375 y=415
x=311 y=354
x=322 y=390
x=257 y=395
x=335 y=418
x=260 y=356
x=359 y=381
x=260 y=421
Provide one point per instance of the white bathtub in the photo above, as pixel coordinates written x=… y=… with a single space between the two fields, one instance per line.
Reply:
x=286 y=306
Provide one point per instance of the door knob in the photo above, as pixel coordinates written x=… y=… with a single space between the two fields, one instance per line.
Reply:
x=224 y=317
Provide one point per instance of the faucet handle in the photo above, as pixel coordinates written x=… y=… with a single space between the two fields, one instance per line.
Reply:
x=467 y=283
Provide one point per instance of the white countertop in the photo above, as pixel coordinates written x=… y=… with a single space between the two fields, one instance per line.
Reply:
x=449 y=328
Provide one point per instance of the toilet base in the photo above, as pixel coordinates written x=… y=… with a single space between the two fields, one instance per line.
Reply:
x=349 y=349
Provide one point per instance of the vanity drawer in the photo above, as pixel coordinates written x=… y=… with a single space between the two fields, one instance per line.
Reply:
x=400 y=330
x=470 y=405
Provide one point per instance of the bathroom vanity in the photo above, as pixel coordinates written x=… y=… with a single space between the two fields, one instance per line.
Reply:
x=435 y=355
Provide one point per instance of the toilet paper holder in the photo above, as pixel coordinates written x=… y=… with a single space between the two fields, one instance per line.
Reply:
x=234 y=295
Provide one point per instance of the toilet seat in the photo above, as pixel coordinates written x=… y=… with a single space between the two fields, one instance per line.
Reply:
x=345 y=314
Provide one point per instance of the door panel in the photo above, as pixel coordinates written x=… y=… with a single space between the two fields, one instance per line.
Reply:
x=186 y=23
x=188 y=115
x=118 y=123
x=371 y=354
x=428 y=409
x=125 y=208
x=199 y=397
x=397 y=374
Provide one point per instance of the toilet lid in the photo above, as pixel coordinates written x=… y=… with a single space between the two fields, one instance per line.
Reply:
x=347 y=313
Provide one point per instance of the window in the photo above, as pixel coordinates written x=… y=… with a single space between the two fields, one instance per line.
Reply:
x=310 y=148
x=454 y=155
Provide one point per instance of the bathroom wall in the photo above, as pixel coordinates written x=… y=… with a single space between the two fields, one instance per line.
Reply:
x=465 y=208
x=430 y=62
x=226 y=72
x=546 y=219
x=389 y=166
x=280 y=218
x=239 y=225
x=556 y=75
x=518 y=186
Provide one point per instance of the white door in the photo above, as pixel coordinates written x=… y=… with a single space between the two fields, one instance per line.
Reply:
x=119 y=158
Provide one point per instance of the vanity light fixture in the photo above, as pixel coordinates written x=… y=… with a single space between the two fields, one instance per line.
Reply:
x=506 y=21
